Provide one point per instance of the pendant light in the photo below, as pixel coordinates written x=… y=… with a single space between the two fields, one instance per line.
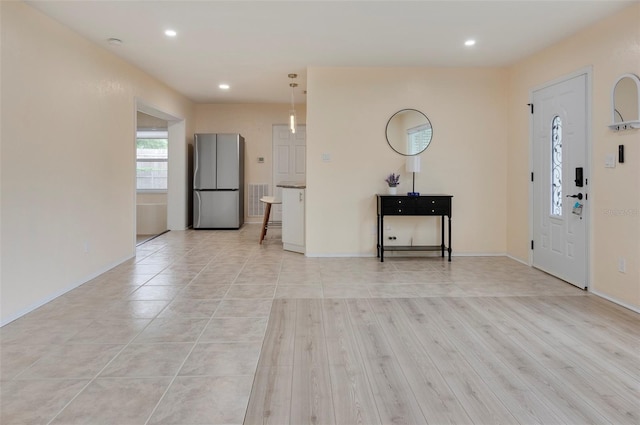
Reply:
x=292 y=112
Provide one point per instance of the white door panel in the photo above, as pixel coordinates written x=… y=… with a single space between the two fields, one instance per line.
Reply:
x=559 y=147
x=300 y=162
x=282 y=159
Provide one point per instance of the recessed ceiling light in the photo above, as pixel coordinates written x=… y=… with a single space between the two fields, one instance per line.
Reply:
x=224 y=86
x=469 y=42
x=115 y=41
x=170 y=33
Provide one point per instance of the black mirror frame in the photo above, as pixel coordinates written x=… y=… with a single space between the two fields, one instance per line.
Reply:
x=386 y=131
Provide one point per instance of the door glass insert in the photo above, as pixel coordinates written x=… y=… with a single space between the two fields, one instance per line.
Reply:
x=556 y=166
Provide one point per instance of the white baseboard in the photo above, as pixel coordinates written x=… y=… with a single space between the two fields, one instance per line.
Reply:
x=478 y=254
x=340 y=255
x=51 y=297
x=518 y=260
x=614 y=300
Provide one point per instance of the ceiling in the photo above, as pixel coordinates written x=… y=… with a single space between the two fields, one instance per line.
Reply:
x=254 y=45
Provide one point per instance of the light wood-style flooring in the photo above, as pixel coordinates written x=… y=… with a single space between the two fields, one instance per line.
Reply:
x=448 y=360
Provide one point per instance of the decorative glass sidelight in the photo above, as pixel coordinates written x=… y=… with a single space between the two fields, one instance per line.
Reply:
x=556 y=166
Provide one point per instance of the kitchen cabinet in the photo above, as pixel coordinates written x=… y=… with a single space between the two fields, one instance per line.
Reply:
x=293 y=219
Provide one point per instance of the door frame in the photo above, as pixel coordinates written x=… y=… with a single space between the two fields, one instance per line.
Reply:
x=588 y=72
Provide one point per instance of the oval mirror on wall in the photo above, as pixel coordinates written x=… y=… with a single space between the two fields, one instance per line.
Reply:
x=409 y=132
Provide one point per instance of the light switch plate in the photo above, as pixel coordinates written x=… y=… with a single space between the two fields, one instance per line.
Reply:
x=610 y=160
x=326 y=157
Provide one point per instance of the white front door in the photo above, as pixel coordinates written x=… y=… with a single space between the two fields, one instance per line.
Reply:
x=289 y=160
x=560 y=177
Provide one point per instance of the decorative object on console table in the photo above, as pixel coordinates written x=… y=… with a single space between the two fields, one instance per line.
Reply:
x=393 y=181
x=425 y=205
x=413 y=166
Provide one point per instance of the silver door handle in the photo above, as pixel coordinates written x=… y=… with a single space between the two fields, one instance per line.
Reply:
x=199 y=208
x=195 y=171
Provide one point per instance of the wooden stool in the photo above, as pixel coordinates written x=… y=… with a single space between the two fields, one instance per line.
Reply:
x=268 y=200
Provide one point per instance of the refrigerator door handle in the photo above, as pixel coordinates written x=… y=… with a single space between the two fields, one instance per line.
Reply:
x=198 y=208
x=195 y=171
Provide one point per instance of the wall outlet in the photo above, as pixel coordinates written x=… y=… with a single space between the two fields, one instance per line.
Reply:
x=86 y=247
x=622 y=265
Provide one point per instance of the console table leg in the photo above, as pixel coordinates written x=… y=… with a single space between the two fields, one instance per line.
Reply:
x=381 y=235
x=442 y=236
x=449 y=238
x=378 y=236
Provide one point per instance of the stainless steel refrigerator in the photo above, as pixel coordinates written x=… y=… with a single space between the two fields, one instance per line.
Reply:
x=218 y=181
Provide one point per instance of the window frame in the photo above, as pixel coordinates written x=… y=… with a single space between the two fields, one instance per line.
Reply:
x=412 y=147
x=152 y=134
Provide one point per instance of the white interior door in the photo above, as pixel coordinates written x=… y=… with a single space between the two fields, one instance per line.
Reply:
x=289 y=160
x=559 y=152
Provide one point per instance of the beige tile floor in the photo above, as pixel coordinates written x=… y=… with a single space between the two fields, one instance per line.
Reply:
x=174 y=335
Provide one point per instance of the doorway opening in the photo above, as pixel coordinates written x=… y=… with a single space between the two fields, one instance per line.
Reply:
x=152 y=161
x=161 y=161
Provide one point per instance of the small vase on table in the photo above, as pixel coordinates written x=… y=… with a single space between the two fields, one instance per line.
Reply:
x=393 y=180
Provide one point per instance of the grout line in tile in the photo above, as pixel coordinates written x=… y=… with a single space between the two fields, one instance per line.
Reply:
x=124 y=348
x=155 y=408
x=103 y=369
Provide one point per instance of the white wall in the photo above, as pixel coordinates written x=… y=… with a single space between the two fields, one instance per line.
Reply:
x=68 y=131
x=347 y=111
x=151 y=213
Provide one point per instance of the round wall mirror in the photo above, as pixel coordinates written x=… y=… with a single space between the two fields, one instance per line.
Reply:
x=409 y=132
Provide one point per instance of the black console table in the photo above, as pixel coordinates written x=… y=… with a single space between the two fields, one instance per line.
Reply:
x=425 y=205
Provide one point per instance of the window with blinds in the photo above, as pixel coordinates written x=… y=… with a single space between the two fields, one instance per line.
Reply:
x=418 y=138
x=152 y=160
